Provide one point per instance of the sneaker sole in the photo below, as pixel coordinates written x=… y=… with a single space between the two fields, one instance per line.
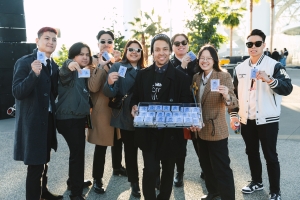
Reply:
x=249 y=192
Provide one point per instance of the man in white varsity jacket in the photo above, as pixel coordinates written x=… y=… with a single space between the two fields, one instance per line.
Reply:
x=259 y=84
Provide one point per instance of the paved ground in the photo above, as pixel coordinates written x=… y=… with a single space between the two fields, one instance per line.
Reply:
x=13 y=173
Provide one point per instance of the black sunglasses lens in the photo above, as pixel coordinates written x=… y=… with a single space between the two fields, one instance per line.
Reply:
x=249 y=44
x=258 y=43
x=108 y=42
x=177 y=44
x=138 y=50
x=130 y=49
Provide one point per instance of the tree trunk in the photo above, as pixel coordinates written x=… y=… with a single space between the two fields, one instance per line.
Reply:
x=251 y=12
x=231 y=30
x=271 y=25
x=145 y=49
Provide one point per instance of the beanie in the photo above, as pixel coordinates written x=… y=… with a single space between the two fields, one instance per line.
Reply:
x=161 y=37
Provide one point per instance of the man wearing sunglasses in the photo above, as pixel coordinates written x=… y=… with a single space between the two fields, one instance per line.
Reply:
x=260 y=82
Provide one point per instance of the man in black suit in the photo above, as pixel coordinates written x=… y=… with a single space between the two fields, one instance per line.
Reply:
x=35 y=89
x=267 y=52
x=275 y=55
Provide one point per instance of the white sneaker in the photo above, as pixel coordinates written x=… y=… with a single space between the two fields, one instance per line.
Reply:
x=251 y=187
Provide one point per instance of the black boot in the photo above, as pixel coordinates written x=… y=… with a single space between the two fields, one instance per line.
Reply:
x=178 y=180
x=81 y=197
x=135 y=190
x=50 y=196
x=98 y=186
x=121 y=171
x=211 y=196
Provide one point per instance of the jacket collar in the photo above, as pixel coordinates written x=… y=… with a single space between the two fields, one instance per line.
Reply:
x=258 y=62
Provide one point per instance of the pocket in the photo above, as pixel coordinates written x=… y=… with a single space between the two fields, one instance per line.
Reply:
x=210 y=126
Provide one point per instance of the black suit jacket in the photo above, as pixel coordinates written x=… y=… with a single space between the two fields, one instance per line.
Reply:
x=175 y=84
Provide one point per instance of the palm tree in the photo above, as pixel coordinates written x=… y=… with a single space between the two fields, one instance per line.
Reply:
x=146 y=27
x=231 y=19
x=251 y=11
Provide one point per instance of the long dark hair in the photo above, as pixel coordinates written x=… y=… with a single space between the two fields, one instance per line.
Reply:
x=141 y=61
x=213 y=54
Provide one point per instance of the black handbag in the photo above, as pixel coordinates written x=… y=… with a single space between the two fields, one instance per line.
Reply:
x=117 y=101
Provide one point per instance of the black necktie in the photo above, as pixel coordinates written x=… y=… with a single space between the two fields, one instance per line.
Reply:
x=48 y=66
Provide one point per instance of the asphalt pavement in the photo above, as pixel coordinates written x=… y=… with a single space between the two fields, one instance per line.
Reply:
x=13 y=173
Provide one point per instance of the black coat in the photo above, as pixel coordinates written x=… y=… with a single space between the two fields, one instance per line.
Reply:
x=170 y=140
x=32 y=95
x=275 y=55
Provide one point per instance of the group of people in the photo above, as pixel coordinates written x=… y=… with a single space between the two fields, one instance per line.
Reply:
x=281 y=57
x=50 y=99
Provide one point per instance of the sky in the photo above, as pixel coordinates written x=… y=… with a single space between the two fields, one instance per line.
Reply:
x=81 y=20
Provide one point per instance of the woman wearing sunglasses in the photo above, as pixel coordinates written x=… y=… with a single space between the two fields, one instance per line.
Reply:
x=182 y=61
x=120 y=81
x=213 y=137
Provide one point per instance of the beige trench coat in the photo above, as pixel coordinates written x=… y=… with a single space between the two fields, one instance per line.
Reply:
x=102 y=133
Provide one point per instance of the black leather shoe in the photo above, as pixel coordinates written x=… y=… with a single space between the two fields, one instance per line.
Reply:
x=81 y=197
x=210 y=196
x=202 y=176
x=178 y=180
x=121 y=171
x=135 y=190
x=49 y=196
x=86 y=183
x=98 y=186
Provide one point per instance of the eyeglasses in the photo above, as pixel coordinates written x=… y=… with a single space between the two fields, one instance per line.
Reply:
x=257 y=44
x=134 y=49
x=177 y=44
x=108 y=42
x=206 y=59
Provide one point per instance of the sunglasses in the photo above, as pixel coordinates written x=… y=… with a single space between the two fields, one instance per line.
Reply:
x=177 y=44
x=134 y=49
x=257 y=44
x=108 y=42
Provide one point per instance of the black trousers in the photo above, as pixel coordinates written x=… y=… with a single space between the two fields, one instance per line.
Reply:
x=181 y=160
x=131 y=155
x=215 y=163
x=266 y=135
x=99 y=157
x=150 y=172
x=73 y=130
x=36 y=180
x=116 y=152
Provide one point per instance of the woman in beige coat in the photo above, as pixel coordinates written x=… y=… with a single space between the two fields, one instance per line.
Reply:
x=102 y=134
